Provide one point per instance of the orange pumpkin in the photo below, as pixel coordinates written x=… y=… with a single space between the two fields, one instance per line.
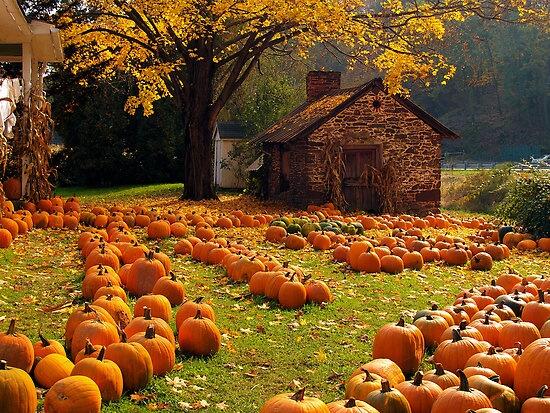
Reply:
x=74 y=394
x=161 y=351
x=199 y=336
x=16 y=349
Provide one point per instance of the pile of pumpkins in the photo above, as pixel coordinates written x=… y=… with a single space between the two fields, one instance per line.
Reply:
x=47 y=213
x=486 y=358
x=265 y=275
x=112 y=348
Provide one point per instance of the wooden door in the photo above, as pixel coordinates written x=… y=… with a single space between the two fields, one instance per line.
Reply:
x=359 y=195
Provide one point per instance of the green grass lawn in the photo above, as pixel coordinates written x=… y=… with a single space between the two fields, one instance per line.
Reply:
x=265 y=350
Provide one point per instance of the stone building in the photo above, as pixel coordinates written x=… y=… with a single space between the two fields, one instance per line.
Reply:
x=358 y=147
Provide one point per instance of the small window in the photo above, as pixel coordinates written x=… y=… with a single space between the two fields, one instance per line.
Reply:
x=285 y=171
x=376 y=104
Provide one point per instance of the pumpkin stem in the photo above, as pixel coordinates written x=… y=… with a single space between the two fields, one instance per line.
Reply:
x=540 y=393
x=401 y=322
x=435 y=307
x=3 y=364
x=11 y=328
x=429 y=317
x=198 y=300
x=351 y=403
x=439 y=370
x=385 y=386
x=519 y=351
x=101 y=354
x=88 y=348
x=150 y=332
x=44 y=340
x=123 y=336
x=172 y=276
x=368 y=376
x=109 y=297
x=147 y=313
x=491 y=351
x=494 y=282
x=495 y=378
x=87 y=308
x=418 y=378
x=541 y=296
x=487 y=320
x=198 y=316
x=463 y=324
x=464 y=386
x=299 y=395
x=456 y=335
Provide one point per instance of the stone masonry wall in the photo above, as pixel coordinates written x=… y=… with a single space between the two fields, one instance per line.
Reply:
x=415 y=146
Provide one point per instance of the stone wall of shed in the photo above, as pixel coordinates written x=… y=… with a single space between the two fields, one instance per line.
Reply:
x=415 y=146
x=300 y=170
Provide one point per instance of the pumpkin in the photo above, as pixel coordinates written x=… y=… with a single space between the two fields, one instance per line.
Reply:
x=502 y=397
x=52 y=368
x=95 y=330
x=170 y=287
x=294 y=403
x=441 y=377
x=531 y=371
x=74 y=394
x=89 y=350
x=321 y=242
x=259 y=280
x=453 y=354
x=143 y=275
x=133 y=361
x=479 y=370
x=44 y=346
x=189 y=309
x=113 y=290
x=5 y=238
x=391 y=264
x=501 y=363
x=199 y=336
x=402 y=343
x=12 y=188
x=363 y=384
x=481 y=261
x=537 y=404
x=461 y=398
x=413 y=260
x=134 y=252
x=159 y=305
x=537 y=312
x=140 y=324
x=17 y=391
x=420 y=394
x=88 y=312
x=103 y=255
x=350 y=406
x=388 y=400
x=105 y=373
x=161 y=351
x=16 y=349
x=490 y=330
x=116 y=307
x=507 y=281
x=384 y=368
x=545 y=330
x=518 y=331
x=455 y=256
x=93 y=281
x=158 y=229
x=465 y=331
x=292 y=293
x=368 y=262
x=318 y=292
x=431 y=327
x=183 y=247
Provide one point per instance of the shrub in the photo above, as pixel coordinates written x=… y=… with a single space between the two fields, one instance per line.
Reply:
x=481 y=191
x=527 y=202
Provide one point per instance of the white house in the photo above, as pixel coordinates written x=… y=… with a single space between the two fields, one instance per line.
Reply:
x=228 y=174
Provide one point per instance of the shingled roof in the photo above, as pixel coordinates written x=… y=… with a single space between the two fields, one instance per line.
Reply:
x=311 y=115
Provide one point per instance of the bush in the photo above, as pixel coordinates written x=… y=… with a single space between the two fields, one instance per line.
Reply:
x=480 y=191
x=527 y=202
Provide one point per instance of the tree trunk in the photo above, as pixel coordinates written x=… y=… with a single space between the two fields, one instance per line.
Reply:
x=199 y=123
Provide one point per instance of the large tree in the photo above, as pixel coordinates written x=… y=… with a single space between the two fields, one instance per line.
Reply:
x=199 y=52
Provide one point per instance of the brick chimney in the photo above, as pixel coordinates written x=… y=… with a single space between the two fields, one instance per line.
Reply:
x=319 y=83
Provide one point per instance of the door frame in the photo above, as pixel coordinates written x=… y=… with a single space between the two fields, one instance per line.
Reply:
x=377 y=147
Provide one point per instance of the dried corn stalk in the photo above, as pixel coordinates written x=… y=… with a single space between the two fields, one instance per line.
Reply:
x=333 y=159
x=33 y=135
x=385 y=183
